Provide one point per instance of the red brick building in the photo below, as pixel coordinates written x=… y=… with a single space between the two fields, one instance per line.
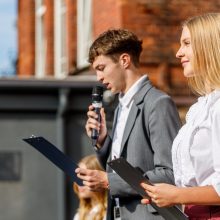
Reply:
x=54 y=36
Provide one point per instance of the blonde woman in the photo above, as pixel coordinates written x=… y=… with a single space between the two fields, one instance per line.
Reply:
x=196 y=149
x=92 y=205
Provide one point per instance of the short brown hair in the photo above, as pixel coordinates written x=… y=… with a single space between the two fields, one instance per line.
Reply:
x=113 y=43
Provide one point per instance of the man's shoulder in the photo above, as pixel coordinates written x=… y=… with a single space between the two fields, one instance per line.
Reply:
x=155 y=98
x=149 y=93
x=155 y=94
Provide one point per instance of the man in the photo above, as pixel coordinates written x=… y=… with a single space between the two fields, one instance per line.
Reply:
x=145 y=124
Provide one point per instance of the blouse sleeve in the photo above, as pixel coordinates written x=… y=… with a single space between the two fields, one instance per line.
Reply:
x=215 y=137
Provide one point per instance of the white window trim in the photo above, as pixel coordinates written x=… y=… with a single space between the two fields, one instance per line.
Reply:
x=40 y=41
x=59 y=58
x=84 y=31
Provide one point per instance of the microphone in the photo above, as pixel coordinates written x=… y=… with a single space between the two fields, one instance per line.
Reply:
x=97 y=94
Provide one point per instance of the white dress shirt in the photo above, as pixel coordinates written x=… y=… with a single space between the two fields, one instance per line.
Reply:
x=125 y=103
x=196 y=149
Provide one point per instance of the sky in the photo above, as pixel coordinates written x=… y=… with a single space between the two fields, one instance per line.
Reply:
x=8 y=36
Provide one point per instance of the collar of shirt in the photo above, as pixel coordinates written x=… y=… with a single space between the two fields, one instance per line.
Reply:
x=125 y=103
x=126 y=99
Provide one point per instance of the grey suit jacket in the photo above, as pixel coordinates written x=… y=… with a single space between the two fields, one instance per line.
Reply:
x=152 y=124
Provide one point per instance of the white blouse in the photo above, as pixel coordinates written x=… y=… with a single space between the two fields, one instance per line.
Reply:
x=196 y=149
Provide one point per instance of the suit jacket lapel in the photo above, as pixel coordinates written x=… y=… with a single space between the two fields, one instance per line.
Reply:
x=138 y=99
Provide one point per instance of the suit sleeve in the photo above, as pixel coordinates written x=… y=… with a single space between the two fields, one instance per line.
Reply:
x=164 y=123
x=104 y=152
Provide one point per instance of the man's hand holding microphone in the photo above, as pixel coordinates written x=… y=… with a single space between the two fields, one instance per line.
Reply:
x=96 y=129
x=96 y=124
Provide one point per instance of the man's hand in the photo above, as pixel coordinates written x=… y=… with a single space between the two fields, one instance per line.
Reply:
x=95 y=180
x=92 y=123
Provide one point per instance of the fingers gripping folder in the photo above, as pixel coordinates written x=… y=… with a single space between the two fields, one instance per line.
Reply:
x=134 y=177
x=56 y=156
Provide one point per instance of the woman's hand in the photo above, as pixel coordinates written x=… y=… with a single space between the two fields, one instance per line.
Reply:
x=162 y=194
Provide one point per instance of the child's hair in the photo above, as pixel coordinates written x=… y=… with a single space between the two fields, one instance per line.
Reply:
x=85 y=204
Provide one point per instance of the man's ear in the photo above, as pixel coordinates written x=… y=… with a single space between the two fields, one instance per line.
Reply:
x=125 y=60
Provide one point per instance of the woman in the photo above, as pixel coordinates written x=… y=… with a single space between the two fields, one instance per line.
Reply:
x=92 y=205
x=196 y=149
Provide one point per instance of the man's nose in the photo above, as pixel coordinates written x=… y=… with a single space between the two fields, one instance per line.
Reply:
x=99 y=77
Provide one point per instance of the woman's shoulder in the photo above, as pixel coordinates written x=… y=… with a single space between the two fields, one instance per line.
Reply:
x=192 y=110
x=215 y=103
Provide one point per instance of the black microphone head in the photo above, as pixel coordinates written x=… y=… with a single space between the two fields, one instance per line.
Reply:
x=97 y=94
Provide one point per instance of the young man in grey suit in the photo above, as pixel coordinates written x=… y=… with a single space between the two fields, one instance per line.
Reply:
x=145 y=124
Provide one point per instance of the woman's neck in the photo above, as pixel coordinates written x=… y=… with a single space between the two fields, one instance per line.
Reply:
x=208 y=88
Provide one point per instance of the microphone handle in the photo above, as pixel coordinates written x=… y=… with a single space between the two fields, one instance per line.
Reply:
x=95 y=133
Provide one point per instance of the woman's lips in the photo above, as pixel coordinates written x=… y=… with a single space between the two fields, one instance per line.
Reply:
x=184 y=62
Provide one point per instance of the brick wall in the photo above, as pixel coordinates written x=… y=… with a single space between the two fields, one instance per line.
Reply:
x=106 y=15
x=26 y=37
x=156 y=22
x=49 y=37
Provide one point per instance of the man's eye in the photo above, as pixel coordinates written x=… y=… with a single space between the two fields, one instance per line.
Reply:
x=101 y=68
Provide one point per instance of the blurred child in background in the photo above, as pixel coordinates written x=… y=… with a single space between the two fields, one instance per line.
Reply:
x=92 y=205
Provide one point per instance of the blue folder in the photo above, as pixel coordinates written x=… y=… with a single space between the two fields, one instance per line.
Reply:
x=56 y=156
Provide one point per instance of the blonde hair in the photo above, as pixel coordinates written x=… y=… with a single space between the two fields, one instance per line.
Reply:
x=205 y=40
x=85 y=204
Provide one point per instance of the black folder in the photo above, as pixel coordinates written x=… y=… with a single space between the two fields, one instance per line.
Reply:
x=56 y=156
x=134 y=177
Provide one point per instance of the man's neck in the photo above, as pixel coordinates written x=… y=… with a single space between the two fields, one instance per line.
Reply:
x=131 y=78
